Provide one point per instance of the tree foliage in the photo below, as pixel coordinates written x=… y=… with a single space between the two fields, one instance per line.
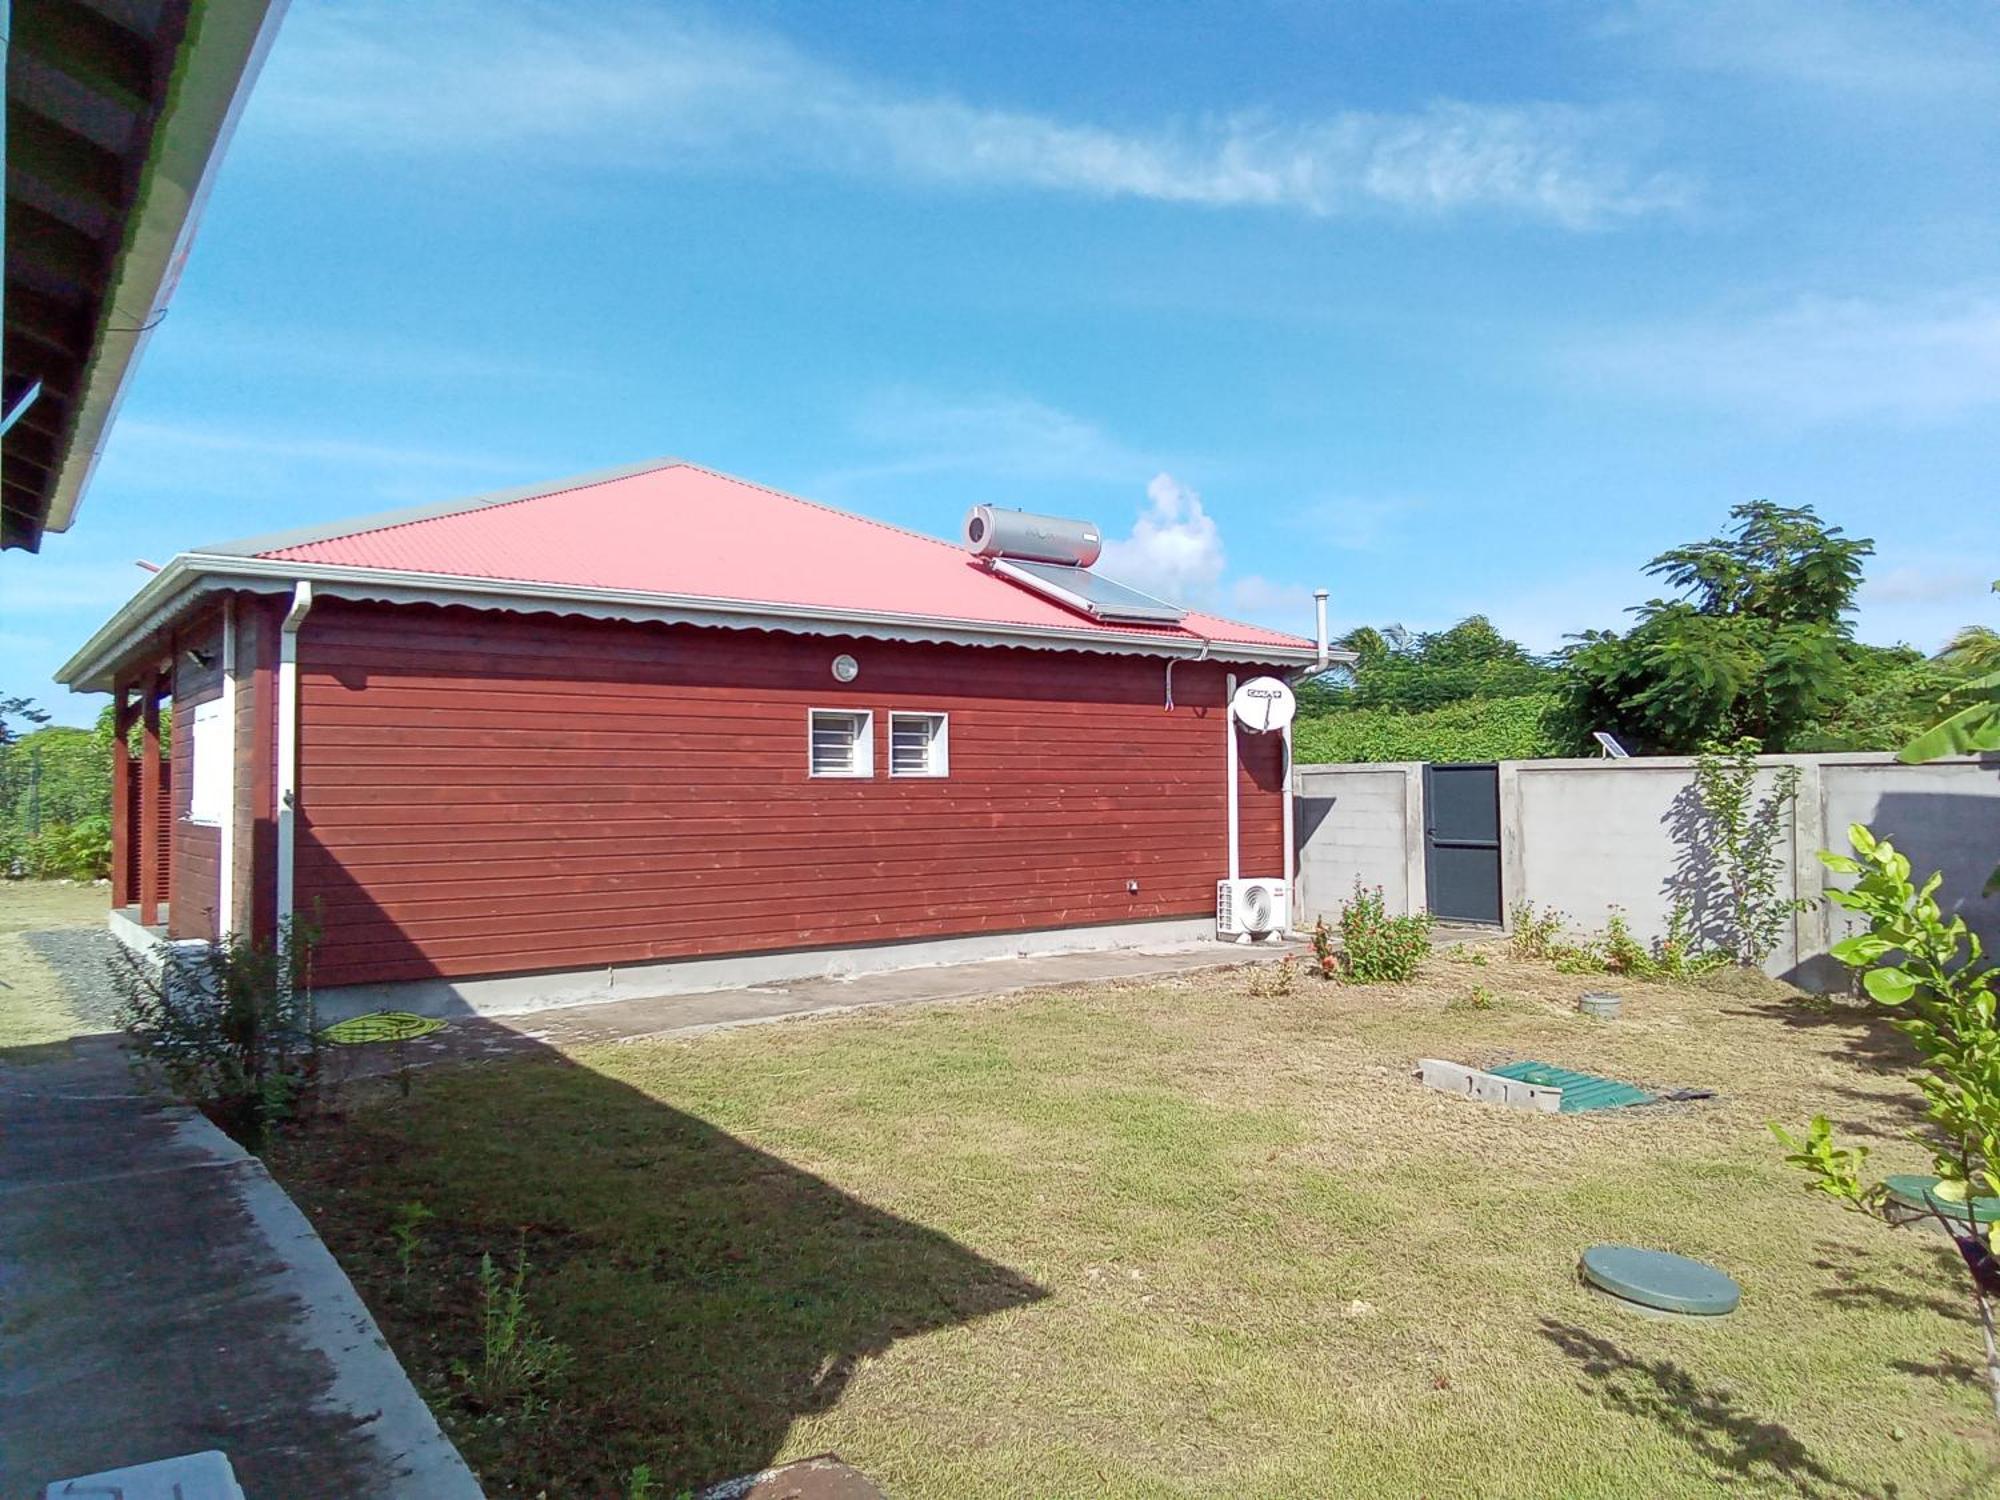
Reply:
x=1933 y=976
x=1753 y=644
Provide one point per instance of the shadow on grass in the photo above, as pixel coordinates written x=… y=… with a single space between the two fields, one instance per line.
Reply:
x=1732 y=1444
x=709 y=1292
x=1867 y=1037
x=1859 y=1281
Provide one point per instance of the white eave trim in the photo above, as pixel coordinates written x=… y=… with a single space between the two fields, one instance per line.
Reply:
x=217 y=65
x=193 y=575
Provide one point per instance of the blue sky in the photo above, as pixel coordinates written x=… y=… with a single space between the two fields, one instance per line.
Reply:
x=1448 y=307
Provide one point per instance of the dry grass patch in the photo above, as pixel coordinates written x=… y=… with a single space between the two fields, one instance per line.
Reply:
x=1176 y=1239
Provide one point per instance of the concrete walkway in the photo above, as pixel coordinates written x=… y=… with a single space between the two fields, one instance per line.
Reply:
x=160 y=1295
x=467 y=1038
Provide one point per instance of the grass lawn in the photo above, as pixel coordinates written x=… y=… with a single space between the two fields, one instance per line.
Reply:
x=1190 y=1238
x=34 y=1007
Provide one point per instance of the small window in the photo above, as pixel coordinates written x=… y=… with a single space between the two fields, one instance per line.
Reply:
x=208 y=752
x=919 y=745
x=842 y=742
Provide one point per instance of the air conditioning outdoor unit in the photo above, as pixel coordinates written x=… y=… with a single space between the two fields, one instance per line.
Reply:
x=1250 y=909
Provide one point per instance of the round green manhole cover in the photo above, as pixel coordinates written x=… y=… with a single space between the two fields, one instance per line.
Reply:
x=1653 y=1278
x=1913 y=1191
x=380 y=1026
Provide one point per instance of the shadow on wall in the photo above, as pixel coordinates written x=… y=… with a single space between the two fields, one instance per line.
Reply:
x=710 y=1292
x=1698 y=884
x=1955 y=834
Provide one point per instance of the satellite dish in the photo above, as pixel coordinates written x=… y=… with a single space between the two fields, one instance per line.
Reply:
x=1263 y=704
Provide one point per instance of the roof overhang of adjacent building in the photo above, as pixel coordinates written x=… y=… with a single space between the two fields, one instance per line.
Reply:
x=133 y=634
x=116 y=120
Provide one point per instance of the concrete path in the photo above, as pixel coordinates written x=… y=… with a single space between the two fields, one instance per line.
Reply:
x=159 y=1295
x=468 y=1038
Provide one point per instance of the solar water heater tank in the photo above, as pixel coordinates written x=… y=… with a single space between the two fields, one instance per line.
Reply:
x=991 y=531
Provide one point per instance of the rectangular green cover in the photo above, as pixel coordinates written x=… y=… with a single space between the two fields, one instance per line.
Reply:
x=1580 y=1090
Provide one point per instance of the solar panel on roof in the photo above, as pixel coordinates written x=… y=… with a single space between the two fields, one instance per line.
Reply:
x=1089 y=593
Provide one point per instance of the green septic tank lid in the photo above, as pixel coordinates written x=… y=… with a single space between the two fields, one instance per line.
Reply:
x=1653 y=1278
x=1580 y=1091
x=1913 y=1191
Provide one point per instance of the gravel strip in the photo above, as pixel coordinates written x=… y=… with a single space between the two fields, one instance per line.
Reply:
x=82 y=959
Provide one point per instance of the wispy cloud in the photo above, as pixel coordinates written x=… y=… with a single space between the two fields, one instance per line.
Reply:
x=1006 y=437
x=640 y=90
x=140 y=438
x=1820 y=359
x=1935 y=582
x=1851 y=46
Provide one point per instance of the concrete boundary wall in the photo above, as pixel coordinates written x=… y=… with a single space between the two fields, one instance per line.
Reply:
x=1585 y=836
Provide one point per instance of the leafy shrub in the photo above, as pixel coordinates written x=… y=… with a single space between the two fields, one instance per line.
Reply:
x=1533 y=934
x=1476 y=729
x=1376 y=948
x=1933 y=975
x=229 y=1026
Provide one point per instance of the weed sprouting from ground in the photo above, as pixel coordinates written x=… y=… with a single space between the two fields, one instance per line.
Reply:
x=517 y=1360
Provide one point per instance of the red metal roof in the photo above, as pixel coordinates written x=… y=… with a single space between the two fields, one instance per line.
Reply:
x=682 y=530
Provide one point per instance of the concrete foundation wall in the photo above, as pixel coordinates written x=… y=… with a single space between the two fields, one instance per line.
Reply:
x=1587 y=836
x=515 y=994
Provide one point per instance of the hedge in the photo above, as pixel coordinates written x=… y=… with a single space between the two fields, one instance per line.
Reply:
x=1479 y=729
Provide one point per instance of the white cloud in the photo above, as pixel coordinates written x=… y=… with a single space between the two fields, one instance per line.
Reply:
x=1851 y=46
x=1174 y=549
x=1820 y=359
x=642 y=90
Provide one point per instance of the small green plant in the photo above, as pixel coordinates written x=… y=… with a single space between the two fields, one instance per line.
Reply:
x=1323 y=955
x=1376 y=948
x=1479 y=997
x=228 y=1026
x=1933 y=975
x=1533 y=934
x=639 y=1483
x=1462 y=953
x=1741 y=832
x=517 y=1360
x=407 y=1229
x=1275 y=981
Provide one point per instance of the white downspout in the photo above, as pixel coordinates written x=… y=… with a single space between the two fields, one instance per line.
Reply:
x=225 y=854
x=1229 y=729
x=1291 y=855
x=287 y=780
x=1319 y=632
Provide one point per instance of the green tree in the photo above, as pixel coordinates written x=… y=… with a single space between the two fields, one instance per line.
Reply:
x=1753 y=644
x=1971 y=725
x=1932 y=975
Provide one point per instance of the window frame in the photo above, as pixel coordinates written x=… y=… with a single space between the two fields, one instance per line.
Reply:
x=938 y=763
x=863 y=768
x=210 y=715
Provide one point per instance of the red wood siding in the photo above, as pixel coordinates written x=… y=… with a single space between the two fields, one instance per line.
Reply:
x=196 y=879
x=484 y=793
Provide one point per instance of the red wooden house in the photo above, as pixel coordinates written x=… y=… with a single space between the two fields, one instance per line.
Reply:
x=661 y=729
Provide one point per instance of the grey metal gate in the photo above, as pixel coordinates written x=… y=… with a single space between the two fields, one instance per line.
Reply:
x=1462 y=841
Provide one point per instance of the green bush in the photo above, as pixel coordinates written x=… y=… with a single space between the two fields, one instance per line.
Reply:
x=1477 y=729
x=1376 y=948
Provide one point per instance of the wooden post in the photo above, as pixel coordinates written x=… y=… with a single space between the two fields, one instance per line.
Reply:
x=123 y=710
x=150 y=853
